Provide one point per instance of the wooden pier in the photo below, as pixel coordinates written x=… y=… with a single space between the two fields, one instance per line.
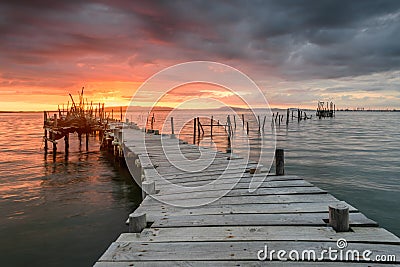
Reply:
x=83 y=117
x=284 y=213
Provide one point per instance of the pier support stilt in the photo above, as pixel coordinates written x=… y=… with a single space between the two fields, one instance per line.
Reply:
x=87 y=141
x=46 y=146
x=279 y=162
x=137 y=222
x=66 y=141
x=339 y=217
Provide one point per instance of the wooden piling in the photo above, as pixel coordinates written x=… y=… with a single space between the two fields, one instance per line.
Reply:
x=137 y=222
x=211 y=126
x=66 y=141
x=287 y=116
x=194 y=130
x=339 y=217
x=172 y=128
x=148 y=188
x=279 y=162
x=87 y=141
x=247 y=128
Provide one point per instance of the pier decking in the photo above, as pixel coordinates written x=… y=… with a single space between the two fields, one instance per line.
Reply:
x=284 y=213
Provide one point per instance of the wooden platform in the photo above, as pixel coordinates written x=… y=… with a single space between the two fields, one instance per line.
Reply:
x=285 y=213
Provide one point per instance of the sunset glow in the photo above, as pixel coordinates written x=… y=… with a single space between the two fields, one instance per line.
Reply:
x=51 y=49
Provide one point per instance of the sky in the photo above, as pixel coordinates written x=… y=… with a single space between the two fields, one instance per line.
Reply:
x=297 y=52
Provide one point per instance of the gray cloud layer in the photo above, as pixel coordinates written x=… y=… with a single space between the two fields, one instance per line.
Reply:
x=299 y=40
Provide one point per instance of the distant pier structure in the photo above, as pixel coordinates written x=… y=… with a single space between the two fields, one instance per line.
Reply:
x=83 y=118
x=326 y=109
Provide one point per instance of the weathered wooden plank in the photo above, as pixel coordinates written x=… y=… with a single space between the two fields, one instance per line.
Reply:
x=238 y=250
x=166 y=210
x=243 y=192
x=299 y=219
x=217 y=186
x=371 y=235
x=255 y=199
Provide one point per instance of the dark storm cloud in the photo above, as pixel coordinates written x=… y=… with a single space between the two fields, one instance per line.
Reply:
x=299 y=39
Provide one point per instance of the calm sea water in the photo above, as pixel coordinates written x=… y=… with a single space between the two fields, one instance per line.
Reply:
x=57 y=213
x=66 y=212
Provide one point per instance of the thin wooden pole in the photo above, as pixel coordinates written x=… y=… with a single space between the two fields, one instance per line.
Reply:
x=211 y=126
x=287 y=116
x=66 y=141
x=194 y=130
x=172 y=127
x=279 y=162
x=87 y=141
x=243 y=120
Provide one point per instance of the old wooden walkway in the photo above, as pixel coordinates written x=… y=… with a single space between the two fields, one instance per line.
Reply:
x=285 y=213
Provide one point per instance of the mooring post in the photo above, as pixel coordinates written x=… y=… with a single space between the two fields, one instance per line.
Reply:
x=148 y=188
x=279 y=162
x=234 y=120
x=198 y=129
x=298 y=115
x=45 y=141
x=339 y=217
x=87 y=141
x=172 y=128
x=66 y=140
x=211 y=126
x=121 y=114
x=259 y=123
x=287 y=116
x=243 y=120
x=194 y=130
x=137 y=222
x=247 y=123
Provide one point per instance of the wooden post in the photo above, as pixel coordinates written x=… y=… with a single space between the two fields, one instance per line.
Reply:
x=279 y=162
x=339 y=217
x=45 y=141
x=66 y=140
x=287 y=116
x=194 y=130
x=247 y=128
x=172 y=128
x=234 y=120
x=148 y=188
x=198 y=128
x=137 y=222
x=298 y=115
x=121 y=114
x=259 y=123
x=243 y=120
x=211 y=126
x=87 y=141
